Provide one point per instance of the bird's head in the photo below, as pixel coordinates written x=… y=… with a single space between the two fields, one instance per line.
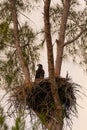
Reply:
x=40 y=66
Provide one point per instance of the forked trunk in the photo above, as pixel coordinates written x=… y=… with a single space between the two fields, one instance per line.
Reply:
x=58 y=122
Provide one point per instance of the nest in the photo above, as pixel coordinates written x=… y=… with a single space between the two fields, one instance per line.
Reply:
x=39 y=97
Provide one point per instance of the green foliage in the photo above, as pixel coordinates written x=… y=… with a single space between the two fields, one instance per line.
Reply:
x=29 y=48
x=42 y=117
x=4 y=7
x=10 y=71
x=3 y=34
x=19 y=124
x=3 y=125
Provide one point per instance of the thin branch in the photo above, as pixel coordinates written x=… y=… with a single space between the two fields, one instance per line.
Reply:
x=27 y=17
x=71 y=41
x=53 y=118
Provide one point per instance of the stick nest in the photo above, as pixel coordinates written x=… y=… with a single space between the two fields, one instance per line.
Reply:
x=39 y=97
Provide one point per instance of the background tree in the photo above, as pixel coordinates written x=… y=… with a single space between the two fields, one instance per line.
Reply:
x=11 y=66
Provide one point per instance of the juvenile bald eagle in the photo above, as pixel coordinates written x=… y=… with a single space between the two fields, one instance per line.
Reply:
x=39 y=72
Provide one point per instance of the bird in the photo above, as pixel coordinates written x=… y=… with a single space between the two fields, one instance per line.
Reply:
x=39 y=72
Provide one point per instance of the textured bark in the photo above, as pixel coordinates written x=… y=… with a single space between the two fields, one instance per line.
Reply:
x=48 y=39
x=59 y=57
x=51 y=68
x=17 y=43
x=61 y=40
x=53 y=125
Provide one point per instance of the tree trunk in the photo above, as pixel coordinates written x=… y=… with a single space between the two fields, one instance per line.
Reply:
x=61 y=40
x=53 y=125
x=54 y=88
x=59 y=57
x=17 y=44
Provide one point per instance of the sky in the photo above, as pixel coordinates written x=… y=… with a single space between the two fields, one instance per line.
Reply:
x=75 y=72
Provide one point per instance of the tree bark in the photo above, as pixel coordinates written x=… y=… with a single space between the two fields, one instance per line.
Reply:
x=53 y=125
x=51 y=69
x=61 y=40
x=17 y=43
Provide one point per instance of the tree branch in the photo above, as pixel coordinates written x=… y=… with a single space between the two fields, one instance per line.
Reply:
x=64 y=21
x=69 y=42
x=59 y=55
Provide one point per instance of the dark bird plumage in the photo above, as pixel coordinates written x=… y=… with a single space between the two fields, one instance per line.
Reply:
x=39 y=72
